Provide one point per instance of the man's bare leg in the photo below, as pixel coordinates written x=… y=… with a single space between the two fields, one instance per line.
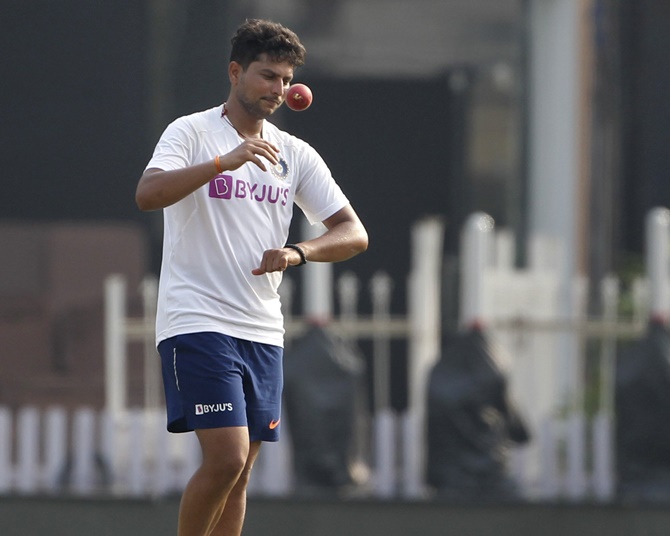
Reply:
x=233 y=511
x=225 y=452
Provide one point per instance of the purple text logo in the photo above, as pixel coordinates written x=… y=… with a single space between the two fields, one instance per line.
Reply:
x=223 y=187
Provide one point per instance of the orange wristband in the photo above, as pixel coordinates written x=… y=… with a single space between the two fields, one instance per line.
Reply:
x=217 y=164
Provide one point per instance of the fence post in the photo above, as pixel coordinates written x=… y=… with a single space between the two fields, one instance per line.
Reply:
x=6 y=435
x=603 y=447
x=137 y=436
x=28 y=423
x=424 y=342
x=160 y=447
x=657 y=261
x=476 y=247
x=110 y=447
x=115 y=344
x=55 y=447
x=83 y=447
x=318 y=282
x=384 y=424
x=152 y=368
x=348 y=289
x=575 y=479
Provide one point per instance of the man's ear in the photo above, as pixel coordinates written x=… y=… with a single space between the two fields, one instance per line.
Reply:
x=234 y=72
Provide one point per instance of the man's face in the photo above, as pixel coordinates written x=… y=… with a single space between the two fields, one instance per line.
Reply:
x=261 y=89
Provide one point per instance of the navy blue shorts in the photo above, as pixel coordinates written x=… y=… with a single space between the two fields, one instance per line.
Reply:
x=213 y=381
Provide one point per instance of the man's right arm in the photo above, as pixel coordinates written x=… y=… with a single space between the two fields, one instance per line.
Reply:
x=158 y=188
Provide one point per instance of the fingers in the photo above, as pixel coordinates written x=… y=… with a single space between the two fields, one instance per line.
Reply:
x=267 y=151
x=258 y=162
x=262 y=269
x=275 y=260
x=271 y=262
x=255 y=150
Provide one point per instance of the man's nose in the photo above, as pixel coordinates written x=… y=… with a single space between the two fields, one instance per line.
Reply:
x=278 y=88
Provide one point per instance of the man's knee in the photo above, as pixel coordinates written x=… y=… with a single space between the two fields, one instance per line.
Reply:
x=224 y=452
x=245 y=475
x=227 y=467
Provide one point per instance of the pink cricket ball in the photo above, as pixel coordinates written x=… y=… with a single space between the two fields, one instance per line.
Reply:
x=298 y=97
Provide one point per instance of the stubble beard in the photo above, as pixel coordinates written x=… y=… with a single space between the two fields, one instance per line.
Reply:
x=255 y=109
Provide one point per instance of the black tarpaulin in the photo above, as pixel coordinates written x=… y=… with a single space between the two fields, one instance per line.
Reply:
x=322 y=394
x=642 y=402
x=471 y=421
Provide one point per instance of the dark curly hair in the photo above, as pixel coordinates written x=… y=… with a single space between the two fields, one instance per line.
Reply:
x=256 y=37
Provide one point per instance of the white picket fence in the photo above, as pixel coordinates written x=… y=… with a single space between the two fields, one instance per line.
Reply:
x=536 y=320
x=87 y=452
x=538 y=323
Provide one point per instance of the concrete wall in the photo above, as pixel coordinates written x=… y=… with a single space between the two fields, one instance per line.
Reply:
x=111 y=517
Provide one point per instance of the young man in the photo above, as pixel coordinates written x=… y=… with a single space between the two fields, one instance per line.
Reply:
x=226 y=180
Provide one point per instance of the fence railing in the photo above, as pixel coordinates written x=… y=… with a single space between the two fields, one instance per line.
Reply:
x=544 y=350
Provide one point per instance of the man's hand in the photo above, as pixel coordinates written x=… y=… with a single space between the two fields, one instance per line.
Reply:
x=250 y=150
x=344 y=238
x=277 y=260
x=159 y=189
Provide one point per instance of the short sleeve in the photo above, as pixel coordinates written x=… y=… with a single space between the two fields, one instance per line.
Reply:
x=318 y=195
x=175 y=148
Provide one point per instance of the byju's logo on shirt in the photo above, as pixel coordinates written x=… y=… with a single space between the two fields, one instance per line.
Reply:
x=224 y=187
x=201 y=409
x=221 y=187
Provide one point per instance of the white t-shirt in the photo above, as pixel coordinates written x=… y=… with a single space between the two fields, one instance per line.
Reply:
x=215 y=236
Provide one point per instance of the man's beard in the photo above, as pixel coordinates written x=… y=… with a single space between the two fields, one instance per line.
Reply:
x=254 y=109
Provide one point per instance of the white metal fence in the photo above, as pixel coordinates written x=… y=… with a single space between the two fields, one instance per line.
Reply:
x=537 y=321
x=86 y=451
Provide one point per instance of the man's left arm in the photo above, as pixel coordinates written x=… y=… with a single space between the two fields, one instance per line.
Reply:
x=345 y=237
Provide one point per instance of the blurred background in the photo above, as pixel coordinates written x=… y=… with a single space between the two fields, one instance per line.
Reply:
x=502 y=342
